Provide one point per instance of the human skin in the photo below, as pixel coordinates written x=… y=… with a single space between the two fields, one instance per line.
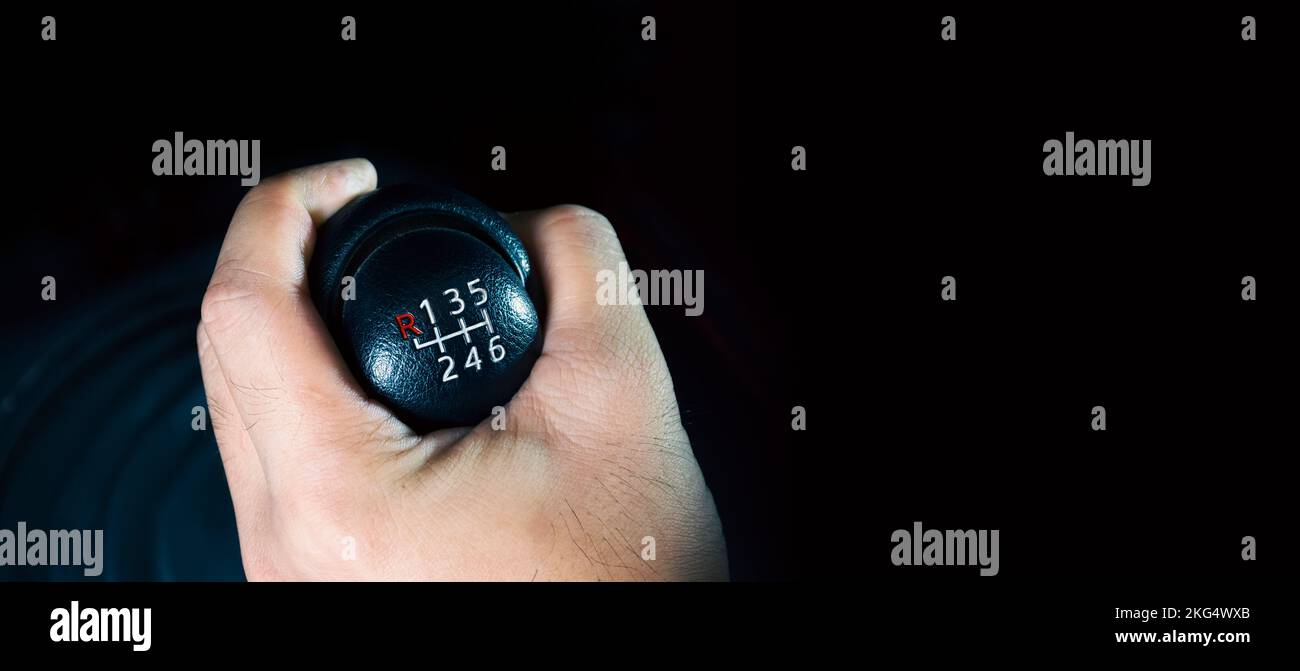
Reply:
x=328 y=485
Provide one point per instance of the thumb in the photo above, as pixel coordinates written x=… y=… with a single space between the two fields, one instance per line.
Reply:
x=282 y=370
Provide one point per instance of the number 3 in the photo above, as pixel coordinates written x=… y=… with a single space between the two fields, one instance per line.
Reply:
x=455 y=296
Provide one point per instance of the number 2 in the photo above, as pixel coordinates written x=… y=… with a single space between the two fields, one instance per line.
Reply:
x=451 y=364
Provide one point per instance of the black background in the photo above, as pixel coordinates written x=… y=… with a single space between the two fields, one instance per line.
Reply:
x=645 y=132
x=924 y=160
x=1075 y=292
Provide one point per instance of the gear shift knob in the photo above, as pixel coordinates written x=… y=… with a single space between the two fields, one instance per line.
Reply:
x=425 y=291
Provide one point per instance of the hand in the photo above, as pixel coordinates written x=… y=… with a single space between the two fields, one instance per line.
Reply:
x=328 y=484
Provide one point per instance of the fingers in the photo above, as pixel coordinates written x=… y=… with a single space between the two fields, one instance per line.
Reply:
x=281 y=369
x=572 y=248
x=577 y=254
x=273 y=226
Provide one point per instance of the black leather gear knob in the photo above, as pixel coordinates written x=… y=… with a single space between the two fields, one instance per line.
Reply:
x=425 y=291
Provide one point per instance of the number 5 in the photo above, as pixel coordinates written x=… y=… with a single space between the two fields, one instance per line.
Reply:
x=477 y=290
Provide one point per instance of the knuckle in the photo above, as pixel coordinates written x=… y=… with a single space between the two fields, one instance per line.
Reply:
x=201 y=340
x=228 y=299
x=278 y=212
x=232 y=296
x=271 y=188
x=581 y=226
x=570 y=211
